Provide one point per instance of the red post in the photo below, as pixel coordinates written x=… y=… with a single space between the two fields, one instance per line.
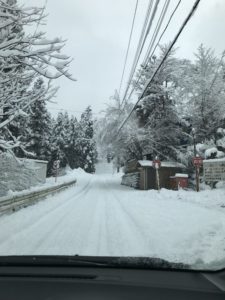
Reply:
x=156 y=164
x=197 y=162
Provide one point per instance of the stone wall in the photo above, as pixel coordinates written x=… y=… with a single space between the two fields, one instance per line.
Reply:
x=14 y=175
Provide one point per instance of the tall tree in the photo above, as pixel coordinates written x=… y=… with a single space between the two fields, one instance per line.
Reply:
x=38 y=139
x=205 y=93
x=59 y=138
x=24 y=58
x=73 y=151
x=156 y=112
x=87 y=144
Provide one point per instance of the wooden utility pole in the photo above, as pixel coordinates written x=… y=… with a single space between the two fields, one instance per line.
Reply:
x=197 y=161
x=156 y=164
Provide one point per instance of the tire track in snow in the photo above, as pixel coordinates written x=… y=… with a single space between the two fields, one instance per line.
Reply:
x=125 y=234
x=65 y=216
x=48 y=218
x=96 y=231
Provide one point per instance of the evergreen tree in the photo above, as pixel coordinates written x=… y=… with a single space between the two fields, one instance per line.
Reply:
x=38 y=139
x=87 y=144
x=157 y=112
x=73 y=153
x=59 y=139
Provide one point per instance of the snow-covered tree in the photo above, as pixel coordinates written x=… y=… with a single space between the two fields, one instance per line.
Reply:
x=59 y=139
x=73 y=151
x=40 y=127
x=87 y=143
x=23 y=58
x=157 y=112
x=125 y=144
x=205 y=94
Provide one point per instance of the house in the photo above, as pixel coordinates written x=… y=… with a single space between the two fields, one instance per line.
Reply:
x=140 y=174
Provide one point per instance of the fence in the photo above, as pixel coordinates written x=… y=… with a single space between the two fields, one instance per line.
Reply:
x=14 y=203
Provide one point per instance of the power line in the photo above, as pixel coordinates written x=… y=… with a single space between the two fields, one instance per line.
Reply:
x=128 y=47
x=162 y=34
x=168 y=23
x=162 y=61
x=141 y=43
x=157 y=29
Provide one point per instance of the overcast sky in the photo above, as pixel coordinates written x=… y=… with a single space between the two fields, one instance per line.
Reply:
x=97 y=33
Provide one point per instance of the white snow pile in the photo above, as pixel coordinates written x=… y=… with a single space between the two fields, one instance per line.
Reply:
x=214 y=152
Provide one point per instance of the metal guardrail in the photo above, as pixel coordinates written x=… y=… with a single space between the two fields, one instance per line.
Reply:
x=16 y=202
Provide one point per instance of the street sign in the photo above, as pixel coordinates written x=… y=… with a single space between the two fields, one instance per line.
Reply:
x=214 y=170
x=197 y=161
x=156 y=163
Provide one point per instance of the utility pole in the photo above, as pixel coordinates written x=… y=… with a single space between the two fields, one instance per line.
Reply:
x=196 y=166
x=156 y=164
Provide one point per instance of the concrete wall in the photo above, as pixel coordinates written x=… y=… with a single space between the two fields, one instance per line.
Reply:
x=39 y=167
x=15 y=175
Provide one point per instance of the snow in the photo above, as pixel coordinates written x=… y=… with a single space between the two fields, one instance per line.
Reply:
x=100 y=217
x=214 y=160
x=145 y=163
x=181 y=175
x=221 y=142
x=214 y=151
x=167 y=164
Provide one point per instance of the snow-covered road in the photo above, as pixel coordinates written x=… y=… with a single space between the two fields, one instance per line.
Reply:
x=98 y=216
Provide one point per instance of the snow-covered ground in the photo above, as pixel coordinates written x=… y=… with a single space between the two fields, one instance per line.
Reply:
x=98 y=216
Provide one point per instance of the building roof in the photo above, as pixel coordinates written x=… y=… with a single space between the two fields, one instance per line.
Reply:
x=214 y=160
x=166 y=164
x=181 y=175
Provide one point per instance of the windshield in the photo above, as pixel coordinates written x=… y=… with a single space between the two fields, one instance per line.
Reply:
x=112 y=132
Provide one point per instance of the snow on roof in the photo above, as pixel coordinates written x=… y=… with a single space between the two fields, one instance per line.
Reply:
x=167 y=164
x=172 y=164
x=214 y=160
x=145 y=163
x=36 y=160
x=181 y=175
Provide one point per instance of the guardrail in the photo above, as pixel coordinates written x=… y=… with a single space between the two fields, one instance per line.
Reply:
x=16 y=202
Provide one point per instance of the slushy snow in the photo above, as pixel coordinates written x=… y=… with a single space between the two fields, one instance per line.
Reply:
x=99 y=217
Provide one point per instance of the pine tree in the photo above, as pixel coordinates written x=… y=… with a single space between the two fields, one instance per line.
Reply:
x=58 y=140
x=73 y=153
x=156 y=112
x=87 y=144
x=38 y=139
